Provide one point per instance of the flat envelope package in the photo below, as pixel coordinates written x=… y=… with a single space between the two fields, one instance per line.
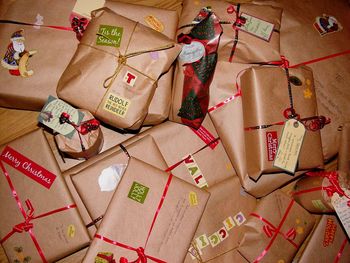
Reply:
x=33 y=58
x=316 y=29
x=275 y=229
x=130 y=59
x=165 y=22
x=222 y=222
x=267 y=104
x=152 y=216
x=95 y=184
x=328 y=243
x=39 y=219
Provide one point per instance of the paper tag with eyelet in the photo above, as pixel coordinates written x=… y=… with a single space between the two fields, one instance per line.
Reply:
x=257 y=27
x=289 y=146
x=340 y=204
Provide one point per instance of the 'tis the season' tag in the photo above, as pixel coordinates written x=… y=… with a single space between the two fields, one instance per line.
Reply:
x=290 y=144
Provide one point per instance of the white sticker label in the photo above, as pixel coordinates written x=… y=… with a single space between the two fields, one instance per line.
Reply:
x=342 y=209
x=192 y=52
x=110 y=177
x=289 y=146
x=195 y=172
x=257 y=27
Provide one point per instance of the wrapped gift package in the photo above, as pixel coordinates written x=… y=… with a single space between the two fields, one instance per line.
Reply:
x=33 y=58
x=152 y=215
x=328 y=243
x=301 y=28
x=344 y=146
x=265 y=102
x=275 y=229
x=39 y=217
x=86 y=142
x=133 y=57
x=94 y=184
x=222 y=222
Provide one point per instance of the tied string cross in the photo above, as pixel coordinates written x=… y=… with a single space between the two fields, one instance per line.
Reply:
x=27 y=225
x=272 y=232
x=141 y=255
x=313 y=123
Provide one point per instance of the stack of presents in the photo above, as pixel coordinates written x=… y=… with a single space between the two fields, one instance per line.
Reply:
x=218 y=132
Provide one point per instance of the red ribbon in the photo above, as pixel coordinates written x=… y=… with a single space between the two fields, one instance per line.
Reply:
x=271 y=231
x=109 y=259
x=339 y=254
x=31 y=24
x=27 y=225
x=141 y=255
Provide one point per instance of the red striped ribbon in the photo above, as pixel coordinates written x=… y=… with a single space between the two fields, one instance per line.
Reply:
x=142 y=257
x=27 y=225
x=289 y=236
x=32 y=24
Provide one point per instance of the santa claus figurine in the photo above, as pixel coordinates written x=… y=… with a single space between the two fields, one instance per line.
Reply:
x=16 y=57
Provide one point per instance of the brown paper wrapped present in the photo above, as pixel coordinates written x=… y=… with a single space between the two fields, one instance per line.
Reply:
x=344 y=154
x=95 y=183
x=221 y=225
x=160 y=214
x=227 y=115
x=165 y=22
x=39 y=218
x=86 y=142
x=302 y=42
x=231 y=256
x=132 y=57
x=267 y=104
x=48 y=51
x=275 y=230
x=328 y=243
x=248 y=48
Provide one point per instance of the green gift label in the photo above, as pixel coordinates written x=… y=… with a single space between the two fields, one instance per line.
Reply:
x=109 y=36
x=138 y=192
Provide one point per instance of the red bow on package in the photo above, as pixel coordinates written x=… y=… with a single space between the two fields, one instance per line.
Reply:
x=206 y=34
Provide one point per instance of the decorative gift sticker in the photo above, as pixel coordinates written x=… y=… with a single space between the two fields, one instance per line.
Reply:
x=192 y=52
x=257 y=27
x=290 y=144
x=51 y=112
x=17 y=57
x=341 y=206
x=138 y=192
x=195 y=172
x=117 y=105
x=84 y=7
x=154 y=23
x=327 y=24
x=110 y=177
x=193 y=199
x=109 y=36
x=28 y=167
x=129 y=78
x=271 y=145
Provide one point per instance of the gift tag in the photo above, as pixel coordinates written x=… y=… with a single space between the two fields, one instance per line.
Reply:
x=192 y=52
x=51 y=112
x=257 y=27
x=84 y=7
x=342 y=209
x=289 y=146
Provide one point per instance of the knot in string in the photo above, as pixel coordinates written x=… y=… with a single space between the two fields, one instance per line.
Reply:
x=142 y=258
x=121 y=59
x=28 y=217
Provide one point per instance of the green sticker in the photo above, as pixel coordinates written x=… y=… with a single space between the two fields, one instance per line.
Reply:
x=109 y=36
x=138 y=192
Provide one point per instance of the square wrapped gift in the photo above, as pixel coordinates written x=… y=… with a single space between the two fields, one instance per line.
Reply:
x=95 y=184
x=270 y=97
x=250 y=31
x=328 y=243
x=275 y=230
x=152 y=217
x=33 y=58
x=39 y=219
x=115 y=69
x=221 y=225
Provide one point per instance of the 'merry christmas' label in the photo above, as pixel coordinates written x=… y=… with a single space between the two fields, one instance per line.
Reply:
x=27 y=167
x=271 y=145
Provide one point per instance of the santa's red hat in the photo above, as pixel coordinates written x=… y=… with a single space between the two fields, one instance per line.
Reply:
x=18 y=35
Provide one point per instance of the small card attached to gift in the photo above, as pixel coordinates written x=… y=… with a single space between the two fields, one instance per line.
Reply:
x=84 y=7
x=341 y=205
x=257 y=27
x=290 y=144
x=51 y=113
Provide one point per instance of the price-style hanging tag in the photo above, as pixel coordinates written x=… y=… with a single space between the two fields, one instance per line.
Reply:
x=340 y=204
x=84 y=7
x=289 y=146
